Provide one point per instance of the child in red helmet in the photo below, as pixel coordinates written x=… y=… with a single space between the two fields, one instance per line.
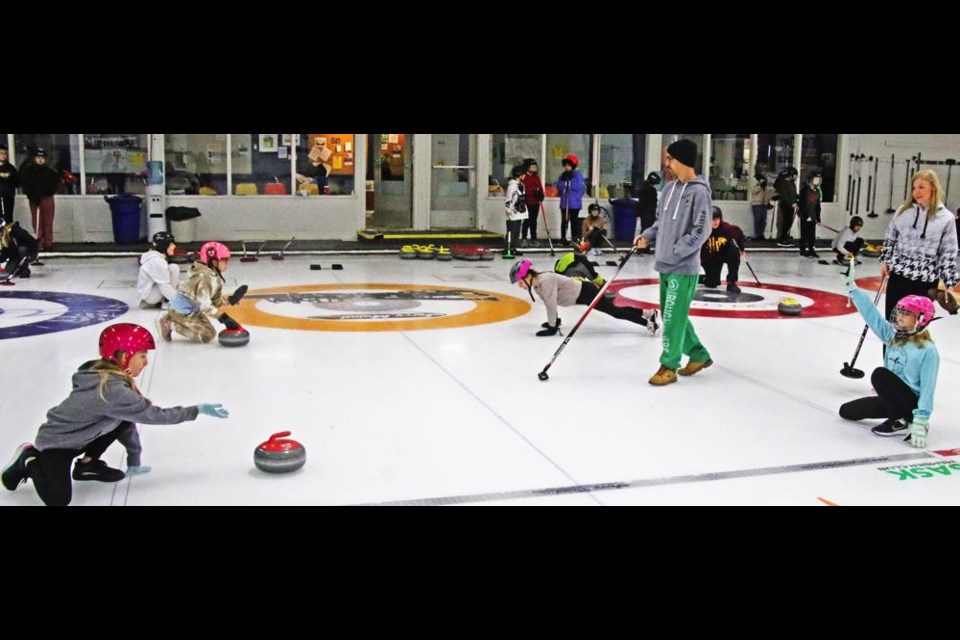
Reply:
x=200 y=296
x=908 y=378
x=103 y=406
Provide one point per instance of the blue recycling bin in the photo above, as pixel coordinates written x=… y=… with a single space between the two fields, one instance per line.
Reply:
x=625 y=211
x=125 y=210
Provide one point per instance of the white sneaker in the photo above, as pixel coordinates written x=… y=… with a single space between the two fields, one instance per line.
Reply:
x=653 y=322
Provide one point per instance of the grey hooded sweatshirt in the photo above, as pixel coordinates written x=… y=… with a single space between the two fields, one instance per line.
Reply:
x=682 y=226
x=83 y=416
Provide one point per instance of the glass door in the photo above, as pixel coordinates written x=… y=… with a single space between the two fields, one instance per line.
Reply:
x=453 y=184
x=389 y=181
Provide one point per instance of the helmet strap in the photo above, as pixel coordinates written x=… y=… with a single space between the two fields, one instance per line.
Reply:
x=530 y=287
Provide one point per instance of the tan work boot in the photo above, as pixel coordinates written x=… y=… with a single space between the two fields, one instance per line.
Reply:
x=692 y=367
x=663 y=376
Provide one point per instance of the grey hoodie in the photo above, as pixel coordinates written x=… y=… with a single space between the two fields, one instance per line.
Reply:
x=83 y=416
x=682 y=226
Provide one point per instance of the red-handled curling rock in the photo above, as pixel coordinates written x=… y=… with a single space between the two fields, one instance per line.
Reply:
x=789 y=307
x=234 y=337
x=279 y=454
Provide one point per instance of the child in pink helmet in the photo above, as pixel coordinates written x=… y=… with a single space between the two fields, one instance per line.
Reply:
x=200 y=297
x=908 y=378
x=104 y=405
x=559 y=290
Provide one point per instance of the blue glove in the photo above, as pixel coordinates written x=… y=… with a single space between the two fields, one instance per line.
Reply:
x=918 y=432
x=138 y=469
x=213 y=410
x=849 y=280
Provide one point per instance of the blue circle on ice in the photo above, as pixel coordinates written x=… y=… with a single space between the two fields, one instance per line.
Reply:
x=31 y=313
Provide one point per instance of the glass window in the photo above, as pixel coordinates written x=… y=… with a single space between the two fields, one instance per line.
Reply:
x=260 y=163
x=730 y=165
x=775 y=151
x=670 y=138
x=622 y=157
x=326 y=159
x=508 y=150
x=115 y=162
x=196 y=163
x=560 y=145
x=819 y=153
x=63 y=155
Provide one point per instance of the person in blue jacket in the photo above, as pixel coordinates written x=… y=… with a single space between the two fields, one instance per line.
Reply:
x=908 y=378
x=571 y=187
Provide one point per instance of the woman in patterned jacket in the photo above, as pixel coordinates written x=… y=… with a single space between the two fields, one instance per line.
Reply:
x=920 y=244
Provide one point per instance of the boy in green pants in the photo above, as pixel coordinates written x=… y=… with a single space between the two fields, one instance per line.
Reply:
x=682 y=227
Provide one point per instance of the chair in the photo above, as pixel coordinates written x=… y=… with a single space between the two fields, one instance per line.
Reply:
x=246 y=189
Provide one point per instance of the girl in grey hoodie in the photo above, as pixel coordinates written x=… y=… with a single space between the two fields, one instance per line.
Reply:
x=103 y=406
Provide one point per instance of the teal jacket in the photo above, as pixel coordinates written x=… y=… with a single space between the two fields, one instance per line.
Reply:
x=917 y=367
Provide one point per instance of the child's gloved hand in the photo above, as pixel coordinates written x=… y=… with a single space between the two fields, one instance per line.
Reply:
x=213 y=410
x=237 y=295
x=918 y=432
x=138 y=470
x=229 y=322
x=849 y=279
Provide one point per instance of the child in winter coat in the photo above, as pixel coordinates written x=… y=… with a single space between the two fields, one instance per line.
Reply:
x=593 y=230
x=158 y=280
x=200 y=296
x=103 y=406
x=908 y=378
x=808 y=204
x=848 y=243
x=515 y=210
x=19 y=249
x=557 y=290
x=533 y=193
x=571 y=187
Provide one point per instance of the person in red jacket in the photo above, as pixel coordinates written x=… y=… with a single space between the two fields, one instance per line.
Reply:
x=533 y=196
x=724 y=246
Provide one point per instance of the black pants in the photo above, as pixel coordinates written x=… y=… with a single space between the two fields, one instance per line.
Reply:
x=6 y=201
x=894 y=399
x=14 y=256
x=50 y=471
x=530 y=224
x=513 y=233
x=595 y=237
x=589 y=291
x=899 y=288
x=784 y=221
x=570 y=215
x=729 y=256
x=808 y=236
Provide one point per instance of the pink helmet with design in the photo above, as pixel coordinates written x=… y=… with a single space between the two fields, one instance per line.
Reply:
x=126 y=337
x=215 y=251
x=919 y=306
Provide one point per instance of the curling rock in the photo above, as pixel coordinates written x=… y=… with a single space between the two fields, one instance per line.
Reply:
x=234 y=337
x=279 y=454
x=871 y=251
x=789 y=307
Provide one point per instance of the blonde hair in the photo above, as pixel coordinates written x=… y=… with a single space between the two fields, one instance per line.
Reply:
x=921 y=338
x=5 y=235
x=936 y=198
x=108 y=368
